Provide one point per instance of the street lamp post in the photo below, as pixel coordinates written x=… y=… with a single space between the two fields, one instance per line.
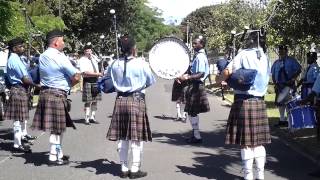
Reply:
x=113 y=12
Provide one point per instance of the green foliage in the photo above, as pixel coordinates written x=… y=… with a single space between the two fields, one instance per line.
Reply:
x=297 y=22
x=217 y=21
x=5 y=16
x=13 y=21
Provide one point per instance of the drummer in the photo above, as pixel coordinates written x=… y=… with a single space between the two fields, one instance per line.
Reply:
x=310 y=75
x=284 y=71
x=310 y=99
x=196 y=97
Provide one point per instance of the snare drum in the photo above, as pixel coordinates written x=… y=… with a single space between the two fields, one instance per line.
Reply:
x=302 y=117
x=293 y=103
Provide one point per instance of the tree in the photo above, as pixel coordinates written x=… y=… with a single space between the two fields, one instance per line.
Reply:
x=217 y=21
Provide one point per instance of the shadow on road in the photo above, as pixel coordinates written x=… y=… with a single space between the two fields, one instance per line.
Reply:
x=101 y=166
x=35 y=158
x=165 y=117
x=215 y=166
x=211 y=166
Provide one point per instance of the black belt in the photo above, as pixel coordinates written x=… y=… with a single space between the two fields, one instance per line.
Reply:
x=90 y=79
x=131 y=94
x=238 y=97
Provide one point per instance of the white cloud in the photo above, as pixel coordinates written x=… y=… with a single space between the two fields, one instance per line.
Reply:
x=178 y=9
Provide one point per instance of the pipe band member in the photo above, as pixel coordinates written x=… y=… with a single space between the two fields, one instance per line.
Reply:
x=57 y=76
x=248 y=124
x=90 y=95
x=310 y=75
x=285 y=71
x=17 y=107
x=130 y=123
x=196 y=97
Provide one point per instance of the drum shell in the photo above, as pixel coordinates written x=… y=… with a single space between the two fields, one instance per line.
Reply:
x=302 y=117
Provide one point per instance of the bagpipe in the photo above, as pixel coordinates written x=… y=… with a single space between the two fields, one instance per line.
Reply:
x=242 y=79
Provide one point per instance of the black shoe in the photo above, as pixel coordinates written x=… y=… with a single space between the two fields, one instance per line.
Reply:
x=59 y=162
x=136 y=175
x=124 y=174
x=315 y=173
x=22 y=149
x=65 y=157
x=282 y=124
x=194 y=140
x=29 y=137
x=93 y=121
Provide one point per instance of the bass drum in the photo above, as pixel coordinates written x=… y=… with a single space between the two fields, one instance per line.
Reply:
x=169 y=58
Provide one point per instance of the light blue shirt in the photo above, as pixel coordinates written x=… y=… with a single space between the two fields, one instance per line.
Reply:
x=290 y=65
x=137 y=77
x=312 y=73
x=248 y=59
x=56 y=70
x=200 y=64
x=316 y=85
x=16 y=70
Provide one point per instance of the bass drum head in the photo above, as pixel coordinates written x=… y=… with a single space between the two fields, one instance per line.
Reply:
x=169 y=58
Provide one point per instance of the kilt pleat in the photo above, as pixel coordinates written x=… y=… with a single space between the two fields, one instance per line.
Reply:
x=87 y=95
x=129 y=120
x=178 y=92
x=248 y=123
x=196 y=99
x=17 y=107
x=51 y=114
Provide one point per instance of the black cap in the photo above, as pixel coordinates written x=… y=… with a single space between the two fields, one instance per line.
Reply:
x=14 y=42
x=126 y=43
x=87 y=46
x=282 y=47
x=54 y=33
x=312 y=55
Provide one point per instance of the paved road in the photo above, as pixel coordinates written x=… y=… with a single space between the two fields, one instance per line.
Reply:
x=167 y=157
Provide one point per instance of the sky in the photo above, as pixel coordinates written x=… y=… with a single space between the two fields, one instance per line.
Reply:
x=178 y=9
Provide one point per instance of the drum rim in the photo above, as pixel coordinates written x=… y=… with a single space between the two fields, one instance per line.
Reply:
x=180 y=41
x=169 y=39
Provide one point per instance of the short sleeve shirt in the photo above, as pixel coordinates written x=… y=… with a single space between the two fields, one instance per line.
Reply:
x=16 y=70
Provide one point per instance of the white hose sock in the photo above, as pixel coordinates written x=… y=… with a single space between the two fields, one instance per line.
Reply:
x=55 y=148
x=24 y=128
x=93 y=114
x=247 y=156
x=195 y=126
x=282 y=110
x=123 y=147
x=178 y=111
x=87 y=114
x=183 y=113
x=136 y=148
x=260 y=159
x=17 y=134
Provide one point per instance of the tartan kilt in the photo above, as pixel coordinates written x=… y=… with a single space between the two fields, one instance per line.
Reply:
x=87 y=94
x=248 y=123
x=178 y=92
x=17 y=108
x=196 y=99
x=51 y=113
x=129 y=120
